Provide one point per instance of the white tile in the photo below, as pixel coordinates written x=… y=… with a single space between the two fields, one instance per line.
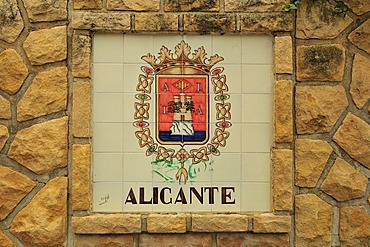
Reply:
x=107 y=107
x=131 y=74
x=130 y=142
x=256 y=197
x=256 y=167
x=202 y=171
x=233 y=142
x=229 y=47
x=196 y=41
x=256 y=108
x=233 y=75
x=107 y=137
x=194 y=190
x=140 y=199
x=227 y=167
x=107 y=78
x=136 y=46
x=228 y=197
x=256 y=138
x=107 y=197
x=257 y=49
x=137 y=167
x=107 y=48
x=107 y=167
x=257 y=79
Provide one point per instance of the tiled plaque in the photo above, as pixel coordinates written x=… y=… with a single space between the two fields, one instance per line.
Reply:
x=181 y=123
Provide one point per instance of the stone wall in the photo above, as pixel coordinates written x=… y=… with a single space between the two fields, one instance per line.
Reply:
x=321 y=150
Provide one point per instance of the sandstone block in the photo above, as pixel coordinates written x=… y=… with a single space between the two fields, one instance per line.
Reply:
x=104 y=240
x=11 y=23
x=192 y=5
x=47 y=94
x=5 y=241
x=107 y=224
x=209 y=23
x=178 y=240
x=112 y=21
x=320 y=63
x=313 y=221
x=42 y=147
x=283 y=54
x=318 y=108
x=49 y=10
x=81 y=176
x=266 y=22
x=283 y=111
x=269 y=223
x=13 y=71
x=250 y=239
x=219 y=223
x=354 y=226
x=318 y=20
x=311 y=157
x=134 y=5
x=166 y=223
x=87 y=4
x=360 y=36
x=46 y=45
x=81 y=57
x=344 y=182
x=4 y=136
x=282 y=182
x=14 y=186
x=156 y=22
x=81 y=108
x=43 y=222
x=354 y=137
x=5 y=112
x=254 y=6
x=359 y=7
x=360 y=84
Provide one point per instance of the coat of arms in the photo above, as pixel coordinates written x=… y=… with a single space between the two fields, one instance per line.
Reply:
x=184 y=86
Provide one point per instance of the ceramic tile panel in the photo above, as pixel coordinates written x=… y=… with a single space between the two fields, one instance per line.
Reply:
x=181 y=123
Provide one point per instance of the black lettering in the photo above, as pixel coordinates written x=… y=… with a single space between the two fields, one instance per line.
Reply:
x=142 y=199
x=225 y=195
x=131 y=197
x=162 y=195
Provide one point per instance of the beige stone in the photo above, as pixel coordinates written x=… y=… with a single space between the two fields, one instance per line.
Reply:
x=42 y=147
x=47 y=94
x=5 y=241
x=107 y=224
x=354 y=137
x=359 y=7
x=134 y=5
x=344 y=182
x=5 y=112
x=81 y=55
x=13 y=71
x=318 y=108
x=81 y=108
x=283 y=111
x=252 y=239
x=178 y=240
x=14 y=186
x=11 y=23
x=266 y=22
x=46 y=10
x=354 y=226
x=166 y=223
x=104 y=240
x=219 y=223
x=269 y=223
x=283 y=54
x=311 y=157
x=360 y=36
x=320 y=63
x=46 y=45
x=192 y=5
x=87 y=4
x=209 y=23
x=156 y=22
x=254 y=5
x=313 y=221
x=43 y=222
x=101 y=21
x=81 y=176
x=4 y=136
x=282 y=182
x=360 y=84
x=318 y=20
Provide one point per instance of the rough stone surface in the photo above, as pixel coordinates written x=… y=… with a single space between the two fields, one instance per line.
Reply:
x=13 y=71
x=47 y=94
x=254 y=6
x=47 y=10
x=107 y=224
x=5 y=241
x=360 y=36
x=354 y=137
x=87 y=4
x=354 y=226
x=11 y=23
x=156 y=22
x=14 y=186
x=360 y=84
x=81 y=108
x=209 y=23
x=283 y=111
x=269 y=223
x=252 y=240
x=135 y=5
x=313 y=221
x=46 y=45
x=311 y=157
x=191 y=5
x=169 y=223
x=42 y=147
x=344 y=182
x=104 y=240
x=282 y=184
x=178 y=240
x=101 y=21
x=81 y=176
x=318 y=108
x=283 y=54
x=320 y=63
x=4 y=136
x=266 y=22
x=318 y=20
x=219 y=223
x=359 y=7
x=43 y=222
x=5 y=112
x=81 y=55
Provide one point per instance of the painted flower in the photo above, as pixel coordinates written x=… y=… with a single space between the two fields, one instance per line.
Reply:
x=141 y=111
x=199 y=155
x=164 y=153
x=144 y=137
x=223 y=111
x=220 y=137
x=145 y=84
x=213 y=149
x=219 y=84
x=182 y=155
x=151 y=149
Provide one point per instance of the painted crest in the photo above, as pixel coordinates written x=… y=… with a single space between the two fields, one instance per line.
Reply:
x=181 y=84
